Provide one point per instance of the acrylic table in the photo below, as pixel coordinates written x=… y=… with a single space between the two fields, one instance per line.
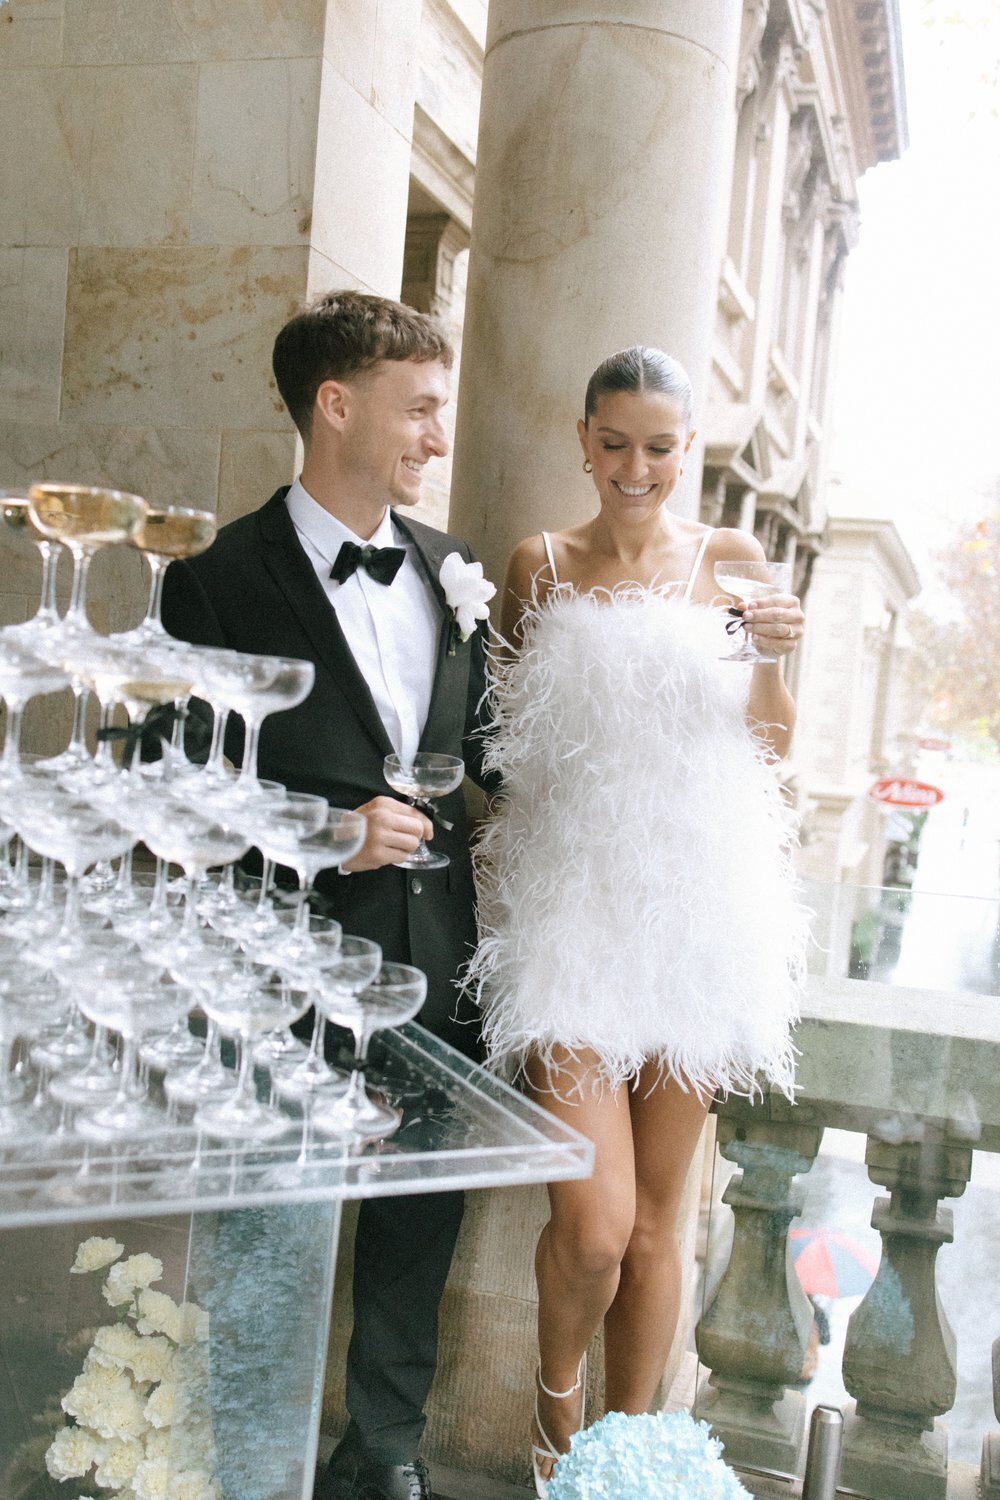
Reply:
x=249 y=1234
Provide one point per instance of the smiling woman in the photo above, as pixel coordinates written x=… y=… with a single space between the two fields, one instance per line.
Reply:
x=639 y=794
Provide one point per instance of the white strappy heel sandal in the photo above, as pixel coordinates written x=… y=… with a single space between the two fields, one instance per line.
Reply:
x=538 y=1455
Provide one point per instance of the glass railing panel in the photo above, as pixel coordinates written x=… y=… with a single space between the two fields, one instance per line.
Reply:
x=912 y=938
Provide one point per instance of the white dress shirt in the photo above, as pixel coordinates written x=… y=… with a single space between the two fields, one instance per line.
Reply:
x=391 y=629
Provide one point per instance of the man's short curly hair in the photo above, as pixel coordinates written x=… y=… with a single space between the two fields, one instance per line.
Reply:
x=342 y=334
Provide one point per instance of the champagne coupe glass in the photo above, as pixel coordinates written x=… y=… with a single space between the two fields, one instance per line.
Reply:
x=257 y=686
x=748 y=582
x=77 y=835
x=23 y=676
x=26 y=1009
x=84 y=518
x=180 y=835
x=299 y=958
x=425 y=777
x=132 y=1001
x=395 y=995
x=203 y=1078
x=300 y=814
x=339 y=838
x=98 y=1079
x=16 y=517
x=162 y=536
x=356 y=966
x=248 y=1003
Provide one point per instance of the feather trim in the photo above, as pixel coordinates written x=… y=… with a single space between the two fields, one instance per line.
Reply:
x=635 y=890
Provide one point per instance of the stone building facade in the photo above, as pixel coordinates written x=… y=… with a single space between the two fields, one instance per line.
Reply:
x=177 y=179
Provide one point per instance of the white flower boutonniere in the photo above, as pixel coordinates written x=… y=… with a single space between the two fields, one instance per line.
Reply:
x=467 y=594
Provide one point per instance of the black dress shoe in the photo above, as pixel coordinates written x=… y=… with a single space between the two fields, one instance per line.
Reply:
x=374 y=1481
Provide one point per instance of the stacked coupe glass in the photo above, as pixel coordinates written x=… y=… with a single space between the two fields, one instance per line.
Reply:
x=118 y=993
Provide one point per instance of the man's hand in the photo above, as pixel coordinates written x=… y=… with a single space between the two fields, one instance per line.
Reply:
x=394 y=831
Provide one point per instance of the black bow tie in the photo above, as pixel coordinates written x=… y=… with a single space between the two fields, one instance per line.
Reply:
x=382 y=563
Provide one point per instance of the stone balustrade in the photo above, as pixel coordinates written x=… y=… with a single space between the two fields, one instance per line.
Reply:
x=916 y=1072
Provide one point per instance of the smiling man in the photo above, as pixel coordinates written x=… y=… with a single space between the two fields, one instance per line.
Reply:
x=328 y=569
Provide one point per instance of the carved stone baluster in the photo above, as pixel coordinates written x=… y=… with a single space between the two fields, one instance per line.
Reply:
x=899 y=1358
x=754 y=1334
x=989 y=1471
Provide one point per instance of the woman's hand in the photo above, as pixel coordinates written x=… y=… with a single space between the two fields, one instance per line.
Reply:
x=775 y=624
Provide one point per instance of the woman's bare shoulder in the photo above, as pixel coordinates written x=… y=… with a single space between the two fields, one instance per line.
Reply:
x=730 y=541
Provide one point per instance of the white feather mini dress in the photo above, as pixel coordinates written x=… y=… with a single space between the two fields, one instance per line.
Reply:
x=635 y=889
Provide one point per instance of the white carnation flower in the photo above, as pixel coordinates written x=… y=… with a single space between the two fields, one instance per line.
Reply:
x=153 y=1360
x=94 y=1254
x=72 y=1452
x=114 y=1346
x=119 y=1463
x=166 y=1405
x=466 y=592
x=192 y=1324
x=159 y=1442
x=129 y=1276
x=158 y=1313
x=151 y=1480
x=108 y=1402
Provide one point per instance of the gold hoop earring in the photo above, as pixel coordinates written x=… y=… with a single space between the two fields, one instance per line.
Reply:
x=587 y=466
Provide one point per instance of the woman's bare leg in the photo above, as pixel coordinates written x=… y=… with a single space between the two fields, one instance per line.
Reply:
x=639 y=1325
x=580 y=1249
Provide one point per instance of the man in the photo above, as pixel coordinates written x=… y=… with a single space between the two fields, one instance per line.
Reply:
x=365 y=381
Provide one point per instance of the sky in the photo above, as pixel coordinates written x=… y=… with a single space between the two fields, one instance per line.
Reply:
x=917 y=392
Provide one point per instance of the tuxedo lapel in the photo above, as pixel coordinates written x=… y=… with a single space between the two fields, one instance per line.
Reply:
x=295 y=576
x=451 y=676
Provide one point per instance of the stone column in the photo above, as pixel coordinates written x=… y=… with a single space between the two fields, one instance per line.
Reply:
x=753 y=1335
x=899 y=1358
x=602 y=189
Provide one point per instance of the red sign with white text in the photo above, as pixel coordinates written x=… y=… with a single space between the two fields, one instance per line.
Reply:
x=897 y=791
x=931 y=744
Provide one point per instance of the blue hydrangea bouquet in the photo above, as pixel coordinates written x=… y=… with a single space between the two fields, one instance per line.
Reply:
x=634 y=1458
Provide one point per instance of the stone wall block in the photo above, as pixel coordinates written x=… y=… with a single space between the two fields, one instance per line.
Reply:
x=178 y=337
x=395 y=64
x=253 y=465
x=31 y=33
x=32 y=315
x=349 y=42
x=43 y=189
x=166 y=465
x=326 y=275
x=139 y=31
x=361 y=228
x=137 y=193
x=255 y=152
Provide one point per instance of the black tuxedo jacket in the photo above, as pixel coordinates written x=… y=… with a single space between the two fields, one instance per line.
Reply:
x=255 y=590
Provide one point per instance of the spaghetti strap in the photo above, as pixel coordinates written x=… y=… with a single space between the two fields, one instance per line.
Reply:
x=697 y=562
x=547 y=543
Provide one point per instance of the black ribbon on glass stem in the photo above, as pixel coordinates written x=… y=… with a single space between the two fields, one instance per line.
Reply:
x=155 y=730
x=432 y=813
x=735 y=623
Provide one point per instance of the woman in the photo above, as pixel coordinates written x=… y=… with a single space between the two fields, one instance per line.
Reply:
x=639 y=928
